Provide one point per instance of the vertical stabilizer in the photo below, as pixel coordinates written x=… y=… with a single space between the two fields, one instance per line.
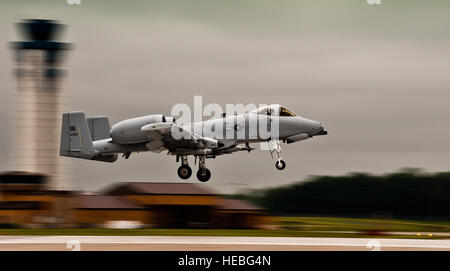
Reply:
x=76 y=140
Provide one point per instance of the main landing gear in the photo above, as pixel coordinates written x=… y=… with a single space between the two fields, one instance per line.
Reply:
x=203 y=174
x=185 y=171
x=275 y=150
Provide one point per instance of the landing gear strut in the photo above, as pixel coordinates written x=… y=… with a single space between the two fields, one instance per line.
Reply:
x=203 y=174
x=184 y=171
x=275 y=150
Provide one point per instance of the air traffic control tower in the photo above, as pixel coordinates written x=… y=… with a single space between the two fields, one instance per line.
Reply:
x=36 y=108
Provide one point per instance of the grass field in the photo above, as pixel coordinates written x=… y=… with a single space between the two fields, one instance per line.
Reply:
x=284 y=226
x=352 y=224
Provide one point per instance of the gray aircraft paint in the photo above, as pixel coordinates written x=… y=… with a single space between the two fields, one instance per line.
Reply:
x=89 y=138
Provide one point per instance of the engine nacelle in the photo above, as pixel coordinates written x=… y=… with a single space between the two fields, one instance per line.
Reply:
x=170 y=119
x=129 y=131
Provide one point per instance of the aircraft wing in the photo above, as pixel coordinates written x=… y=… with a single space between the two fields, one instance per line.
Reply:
x=186 y=139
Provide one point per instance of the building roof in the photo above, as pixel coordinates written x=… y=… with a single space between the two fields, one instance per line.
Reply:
x=104 y=202
x=22 y=177
x=127 y=188
x=31 y=190
x=238 y=205
x=20 y=205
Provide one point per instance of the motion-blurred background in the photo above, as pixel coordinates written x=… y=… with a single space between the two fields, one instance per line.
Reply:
x=375 y=75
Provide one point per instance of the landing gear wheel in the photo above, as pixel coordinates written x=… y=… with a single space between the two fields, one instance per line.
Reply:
x=203 y=176
x=280 y=164
x=184 y=172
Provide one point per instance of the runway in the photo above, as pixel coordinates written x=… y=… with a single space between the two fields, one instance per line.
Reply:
x=215 y=243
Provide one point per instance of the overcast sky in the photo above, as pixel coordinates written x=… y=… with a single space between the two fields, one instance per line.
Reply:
x=377 y=76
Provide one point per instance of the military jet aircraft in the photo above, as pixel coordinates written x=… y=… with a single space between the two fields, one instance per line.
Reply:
x=94 y=139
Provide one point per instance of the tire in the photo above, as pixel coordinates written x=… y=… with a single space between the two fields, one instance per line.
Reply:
x=203 y=177
x=280 y=164
x=184 y=172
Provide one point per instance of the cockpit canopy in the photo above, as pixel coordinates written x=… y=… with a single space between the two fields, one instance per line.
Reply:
x=274 y=110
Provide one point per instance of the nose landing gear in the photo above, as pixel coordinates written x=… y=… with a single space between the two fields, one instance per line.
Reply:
x=280 y=164
x=275 y=150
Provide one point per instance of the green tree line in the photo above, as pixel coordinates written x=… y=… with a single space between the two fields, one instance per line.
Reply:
x=407 y=194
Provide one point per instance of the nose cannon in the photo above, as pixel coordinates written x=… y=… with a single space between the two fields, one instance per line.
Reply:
x=322 y=130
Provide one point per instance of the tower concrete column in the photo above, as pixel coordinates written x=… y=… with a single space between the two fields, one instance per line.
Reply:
x=36 y=110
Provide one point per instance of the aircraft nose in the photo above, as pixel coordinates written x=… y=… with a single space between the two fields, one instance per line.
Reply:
x=322 y=130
